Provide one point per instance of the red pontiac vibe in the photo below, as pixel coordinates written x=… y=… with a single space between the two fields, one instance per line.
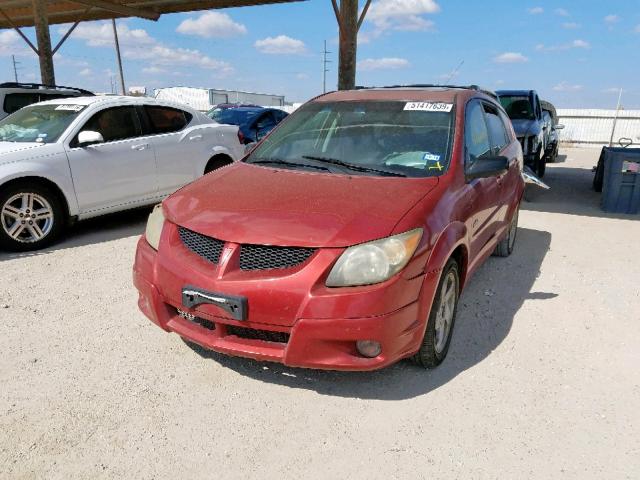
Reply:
x=343 y=240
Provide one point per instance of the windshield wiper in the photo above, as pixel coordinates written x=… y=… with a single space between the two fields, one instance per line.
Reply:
x=277 y=161
x=352 y=166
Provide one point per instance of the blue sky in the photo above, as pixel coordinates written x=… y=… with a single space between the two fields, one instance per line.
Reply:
x=575 y=53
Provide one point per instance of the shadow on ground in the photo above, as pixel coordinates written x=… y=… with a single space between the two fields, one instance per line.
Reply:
x=571 y=193
x=486 y=312
x=95 y=230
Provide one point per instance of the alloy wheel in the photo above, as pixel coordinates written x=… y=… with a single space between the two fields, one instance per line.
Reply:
x=446 y=311
x=27 y=217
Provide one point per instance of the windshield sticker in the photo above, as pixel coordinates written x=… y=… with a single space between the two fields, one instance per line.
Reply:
x=70 y=108
x=430 y=157
x=429 y=106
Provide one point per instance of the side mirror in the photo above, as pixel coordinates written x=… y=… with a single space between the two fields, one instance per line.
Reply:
x=487 y=167
x=89 y=137
x=558 y=127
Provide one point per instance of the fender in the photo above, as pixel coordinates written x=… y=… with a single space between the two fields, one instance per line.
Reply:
x=454 y=235
x=27 y=168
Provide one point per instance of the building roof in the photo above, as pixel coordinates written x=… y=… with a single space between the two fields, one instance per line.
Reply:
x=19 y=13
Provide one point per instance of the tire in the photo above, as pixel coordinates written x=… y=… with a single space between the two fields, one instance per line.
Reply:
x=506 y=245
x=540 y=164
x=24 y=202
x=435 y=343
x=217 y=162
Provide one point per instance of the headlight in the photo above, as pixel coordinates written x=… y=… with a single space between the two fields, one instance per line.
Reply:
x=374 y=262
x=154 y=226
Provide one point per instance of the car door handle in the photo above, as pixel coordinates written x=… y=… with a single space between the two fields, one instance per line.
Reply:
x=195 y=137
x=140 y=147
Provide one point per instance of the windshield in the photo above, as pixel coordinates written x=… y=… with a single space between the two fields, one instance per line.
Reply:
x=38 y=123
x=405 y=138
x=231 y=116
x=518 y=107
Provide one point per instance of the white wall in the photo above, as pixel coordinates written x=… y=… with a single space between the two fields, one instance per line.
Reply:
x=593 y=126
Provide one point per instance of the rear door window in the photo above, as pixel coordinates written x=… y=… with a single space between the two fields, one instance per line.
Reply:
x=166 y=119
x=497 y=131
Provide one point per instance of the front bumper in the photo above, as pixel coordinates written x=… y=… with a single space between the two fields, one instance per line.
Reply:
x=388 y=313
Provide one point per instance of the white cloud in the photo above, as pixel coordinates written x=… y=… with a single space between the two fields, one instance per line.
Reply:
x=566 y=46
x=535 y=10
x=403 y=15
x=302 y=76
x=611 y=19
x=637 y=29
x=562 y=12
x=615 y=90
x=137 y=44
x=570 y=25
x=567 y=87
x=211 y=25
x=11 y=44
x=281 y=45
x=153 y=70
x=510 y=57
x=387 y=63
x=85 y=72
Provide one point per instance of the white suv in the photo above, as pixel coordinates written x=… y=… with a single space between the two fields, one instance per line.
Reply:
x=77 y=158
x=14 y=96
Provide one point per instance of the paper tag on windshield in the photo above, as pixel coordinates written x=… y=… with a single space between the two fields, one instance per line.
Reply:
x=70 y=108
x=429 y=106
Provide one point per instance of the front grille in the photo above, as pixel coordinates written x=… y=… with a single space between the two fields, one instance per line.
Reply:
x=263 y=257
x=197 y=320
x=207 y=247
x=253 y=334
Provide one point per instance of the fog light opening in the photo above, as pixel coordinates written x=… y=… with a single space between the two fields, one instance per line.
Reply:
x=368 y=348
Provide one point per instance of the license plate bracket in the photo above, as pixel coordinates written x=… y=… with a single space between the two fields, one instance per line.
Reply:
x=235 y=305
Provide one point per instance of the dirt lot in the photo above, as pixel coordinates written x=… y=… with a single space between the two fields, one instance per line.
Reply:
x=542 y=379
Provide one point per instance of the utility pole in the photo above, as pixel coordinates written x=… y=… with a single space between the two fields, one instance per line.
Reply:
x=15 y=67
x=45 y=55
x=324 y=69
x=349 y=22
x=115 y=36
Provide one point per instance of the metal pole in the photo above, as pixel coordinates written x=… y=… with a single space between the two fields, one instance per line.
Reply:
x=115 y=36
x=324 y=67
x=615 y=119
x=15 y=70
x=41 y=22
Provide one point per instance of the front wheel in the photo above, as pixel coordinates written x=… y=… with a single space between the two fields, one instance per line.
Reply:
x=437 y=336
x=31 y=217
x=540 y=164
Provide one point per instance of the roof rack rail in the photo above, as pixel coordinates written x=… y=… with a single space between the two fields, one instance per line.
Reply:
x=42 y=85
x=435 y=85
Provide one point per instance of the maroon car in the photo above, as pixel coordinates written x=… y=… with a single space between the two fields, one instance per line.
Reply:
x=343 y=240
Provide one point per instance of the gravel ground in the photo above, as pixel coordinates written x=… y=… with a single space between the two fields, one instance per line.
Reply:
x=542 y=378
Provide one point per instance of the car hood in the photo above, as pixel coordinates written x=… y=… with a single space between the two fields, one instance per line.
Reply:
x=11 y=147
x=525 y=127
x=257 y=205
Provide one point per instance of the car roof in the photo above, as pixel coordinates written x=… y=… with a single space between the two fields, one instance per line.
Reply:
x=114 y=100
x=447 y=94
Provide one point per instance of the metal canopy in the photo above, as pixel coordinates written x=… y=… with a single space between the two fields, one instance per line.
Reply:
x=19 y=13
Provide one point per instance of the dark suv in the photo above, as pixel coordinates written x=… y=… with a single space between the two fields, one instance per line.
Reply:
x=525 y=111
x=344 y=239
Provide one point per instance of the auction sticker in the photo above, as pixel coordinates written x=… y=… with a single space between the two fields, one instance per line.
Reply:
x=70 y=108
x=429 y=106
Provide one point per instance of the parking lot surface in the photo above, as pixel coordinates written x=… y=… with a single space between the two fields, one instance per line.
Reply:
x=541 y=381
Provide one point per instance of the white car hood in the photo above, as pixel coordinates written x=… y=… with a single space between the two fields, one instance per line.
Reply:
x=15 y=151
x=10 y=147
